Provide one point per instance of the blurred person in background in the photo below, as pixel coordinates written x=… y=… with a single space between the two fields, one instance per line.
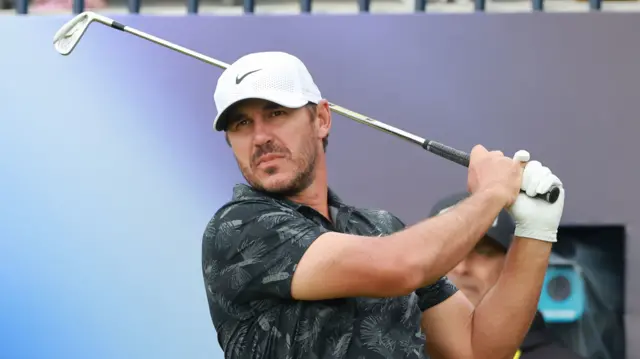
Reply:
x=44 y=5
x=480 y=270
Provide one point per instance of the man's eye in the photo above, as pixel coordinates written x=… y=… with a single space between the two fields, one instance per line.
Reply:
x=241 y=123
x=277 y=113
x=489 y=252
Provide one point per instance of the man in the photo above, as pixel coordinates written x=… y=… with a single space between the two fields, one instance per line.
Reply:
x=479 y=271
x=291 y=271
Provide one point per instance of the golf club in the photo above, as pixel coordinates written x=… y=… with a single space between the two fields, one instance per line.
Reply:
x=67 y=37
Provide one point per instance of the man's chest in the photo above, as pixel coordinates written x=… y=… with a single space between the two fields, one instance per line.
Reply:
x=363 y=327
x=369 y=223
x=388 y=328
x=399 y=309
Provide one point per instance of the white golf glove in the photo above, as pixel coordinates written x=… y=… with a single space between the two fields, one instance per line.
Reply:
x=536 y=218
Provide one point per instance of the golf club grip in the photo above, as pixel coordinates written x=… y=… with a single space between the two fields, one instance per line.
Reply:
x=447 y=152
x=462 y=158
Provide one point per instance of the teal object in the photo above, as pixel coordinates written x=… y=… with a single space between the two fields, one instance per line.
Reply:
x=563 y=297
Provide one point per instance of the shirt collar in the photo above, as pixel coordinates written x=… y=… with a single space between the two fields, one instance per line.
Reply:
x=242 y=191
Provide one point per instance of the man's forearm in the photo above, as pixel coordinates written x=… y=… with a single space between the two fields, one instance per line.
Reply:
x=434 y=246
x=503 y=317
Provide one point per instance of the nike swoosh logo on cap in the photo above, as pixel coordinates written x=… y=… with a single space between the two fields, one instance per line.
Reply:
x=239 y=79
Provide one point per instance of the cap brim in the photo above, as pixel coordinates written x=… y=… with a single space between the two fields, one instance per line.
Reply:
x=499 y=237
x=498 y=234
x=282 y=99
x=447 y=202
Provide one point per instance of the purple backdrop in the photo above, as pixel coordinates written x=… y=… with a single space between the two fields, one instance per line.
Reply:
x=506 y=81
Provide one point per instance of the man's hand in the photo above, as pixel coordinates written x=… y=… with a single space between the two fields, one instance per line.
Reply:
x=493 y=171
x=535 y=218
x=497 y=325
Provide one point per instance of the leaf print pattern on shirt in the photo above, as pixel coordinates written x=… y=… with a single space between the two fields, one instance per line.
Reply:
x=251 y=248
x=374 y=337
x=338 y=347
x=225 y=231
x=278 y=272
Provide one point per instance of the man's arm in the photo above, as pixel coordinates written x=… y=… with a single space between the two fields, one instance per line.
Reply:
x=496 y=327
x=257 y=247
x=499 y=323
x=256 y=250
x=342 y=265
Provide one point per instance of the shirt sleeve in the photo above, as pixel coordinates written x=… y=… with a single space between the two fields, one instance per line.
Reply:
x=433 y=294
x=251 y=249
x=436 y=293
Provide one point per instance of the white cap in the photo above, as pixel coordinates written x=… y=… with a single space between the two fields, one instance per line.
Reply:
x=273 y=76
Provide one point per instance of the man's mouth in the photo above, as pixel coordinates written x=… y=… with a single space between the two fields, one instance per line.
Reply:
x=267 y=158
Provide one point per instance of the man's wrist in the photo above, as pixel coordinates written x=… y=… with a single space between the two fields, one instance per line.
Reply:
x=541 y=235
x=495 y=193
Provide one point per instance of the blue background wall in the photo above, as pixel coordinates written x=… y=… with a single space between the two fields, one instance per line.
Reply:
x=109 y=168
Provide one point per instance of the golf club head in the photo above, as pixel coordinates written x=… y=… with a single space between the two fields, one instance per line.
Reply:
x=66 y=39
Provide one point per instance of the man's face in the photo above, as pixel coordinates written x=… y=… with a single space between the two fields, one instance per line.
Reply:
x=276 y=147
x=480 y=270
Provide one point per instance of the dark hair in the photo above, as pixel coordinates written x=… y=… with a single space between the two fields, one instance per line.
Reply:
x=312 y=108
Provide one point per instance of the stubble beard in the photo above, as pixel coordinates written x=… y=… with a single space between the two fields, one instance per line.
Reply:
x=305 y=166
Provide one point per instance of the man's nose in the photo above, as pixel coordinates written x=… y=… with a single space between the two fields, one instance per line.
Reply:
x=461 y=269
x=261 y=133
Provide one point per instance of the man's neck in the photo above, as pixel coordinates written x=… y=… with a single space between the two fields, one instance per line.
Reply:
x=315 y=196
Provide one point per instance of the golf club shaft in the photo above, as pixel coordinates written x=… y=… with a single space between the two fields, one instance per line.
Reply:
x=434 y=147
x=431 y=146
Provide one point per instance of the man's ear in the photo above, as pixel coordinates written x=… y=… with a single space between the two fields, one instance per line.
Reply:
x=323 y=117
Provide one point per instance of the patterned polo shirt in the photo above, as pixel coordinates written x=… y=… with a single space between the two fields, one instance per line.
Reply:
x=250 y=250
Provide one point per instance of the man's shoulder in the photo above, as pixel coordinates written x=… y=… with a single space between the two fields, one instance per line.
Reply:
x=248 y=202
x=540 y=342
x=246 y=207
x=377 y=213
x=382 y=218
x=553 y=350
